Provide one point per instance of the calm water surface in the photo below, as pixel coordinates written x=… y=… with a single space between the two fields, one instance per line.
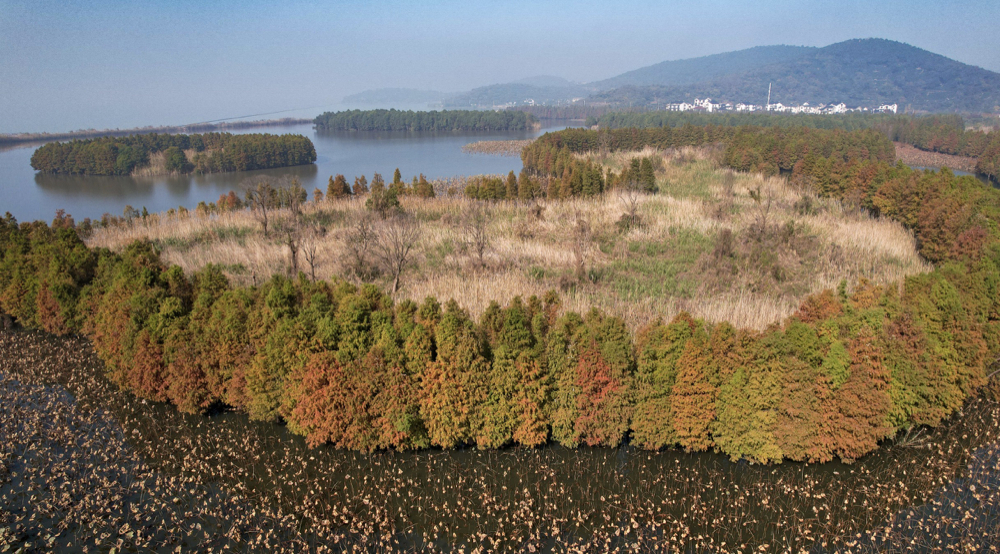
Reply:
x=30 y=195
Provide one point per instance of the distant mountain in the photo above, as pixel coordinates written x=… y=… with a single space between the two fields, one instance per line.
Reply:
x=386 y=97
x=862 y=72
x=546 y=81
x=516 y=93
x=705 y=68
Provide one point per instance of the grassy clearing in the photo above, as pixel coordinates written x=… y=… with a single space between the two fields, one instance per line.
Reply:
x=723 y=246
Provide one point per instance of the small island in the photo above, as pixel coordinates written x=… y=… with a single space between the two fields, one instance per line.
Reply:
x=166 y=154
x=446 y=120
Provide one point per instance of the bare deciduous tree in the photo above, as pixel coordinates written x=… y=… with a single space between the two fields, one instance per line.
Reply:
x=397 y=237
x=604 y=143
x=763 y=202
x=311 y=240
x=475 y=225
x=359 y=245
x=629 y=195
x=292 y=225
x=728 y=183
x=261 y=199
x=581 y=243
x=290 y=229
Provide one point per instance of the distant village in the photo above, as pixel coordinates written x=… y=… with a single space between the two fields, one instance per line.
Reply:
x=708 y=106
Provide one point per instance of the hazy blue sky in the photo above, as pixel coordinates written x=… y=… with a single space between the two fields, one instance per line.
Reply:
x=77 y=64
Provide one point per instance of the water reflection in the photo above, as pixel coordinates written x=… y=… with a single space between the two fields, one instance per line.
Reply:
x=80 y=186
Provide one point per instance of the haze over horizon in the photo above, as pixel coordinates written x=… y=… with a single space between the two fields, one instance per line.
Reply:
x=106 y=64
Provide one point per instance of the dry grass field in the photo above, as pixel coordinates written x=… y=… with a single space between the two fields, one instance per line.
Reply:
x=721 y=245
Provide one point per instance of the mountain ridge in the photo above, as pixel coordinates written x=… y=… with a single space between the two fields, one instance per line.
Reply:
x=857 y=72
x=703 y=68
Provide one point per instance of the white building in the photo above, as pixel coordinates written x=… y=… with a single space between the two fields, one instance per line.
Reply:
x=706 y=104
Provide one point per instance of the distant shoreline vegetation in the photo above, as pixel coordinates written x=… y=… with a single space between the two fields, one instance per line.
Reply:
x=164 y=154
x=445 y=120
x=944 y=134
x=25 y=138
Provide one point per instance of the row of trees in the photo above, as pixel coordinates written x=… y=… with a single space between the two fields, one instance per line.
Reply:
x=495 y=188
x=445 y=120
x=578 y=179
x=209 y=153
x=760 y=149
x=348 y=366
x=938 y=133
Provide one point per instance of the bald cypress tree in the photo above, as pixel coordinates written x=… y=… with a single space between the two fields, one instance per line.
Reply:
x=337 y=187
x=647 y=178
x=423 y=188
x=693 y=395
x=453 y=387
x=510 y=186
x=746 y=413
x=360 y=186
x=561 y=355
x=659 y=348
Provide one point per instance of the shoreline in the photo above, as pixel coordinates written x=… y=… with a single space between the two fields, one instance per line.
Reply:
x=27 y=138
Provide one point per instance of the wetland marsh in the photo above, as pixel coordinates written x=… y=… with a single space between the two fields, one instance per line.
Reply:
x=86 y=467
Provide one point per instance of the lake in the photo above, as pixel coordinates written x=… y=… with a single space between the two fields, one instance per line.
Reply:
x=29 y=195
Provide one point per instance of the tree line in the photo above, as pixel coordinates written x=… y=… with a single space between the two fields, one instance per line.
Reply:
x=445 y=120
x=347 y=366
x=937 y=133
x=769 y=150
x=209 y=153
x=589 y=113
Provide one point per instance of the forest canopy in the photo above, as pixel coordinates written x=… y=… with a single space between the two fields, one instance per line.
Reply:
x=198 y=153
x=446 y=120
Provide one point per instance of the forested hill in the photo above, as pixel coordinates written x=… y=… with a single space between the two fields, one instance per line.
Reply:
x=453 y=120
x=168 y=153
x=865 y=72
x=389 y=96
x=496 y=95
x=705 y=68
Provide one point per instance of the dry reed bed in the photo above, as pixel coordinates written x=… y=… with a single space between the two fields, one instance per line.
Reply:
x=497 y=147
x=531 y=249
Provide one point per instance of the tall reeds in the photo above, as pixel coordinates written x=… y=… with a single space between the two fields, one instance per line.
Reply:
x=531 y=245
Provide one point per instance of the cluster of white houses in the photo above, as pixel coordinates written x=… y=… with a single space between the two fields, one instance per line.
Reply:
x=706 y=105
